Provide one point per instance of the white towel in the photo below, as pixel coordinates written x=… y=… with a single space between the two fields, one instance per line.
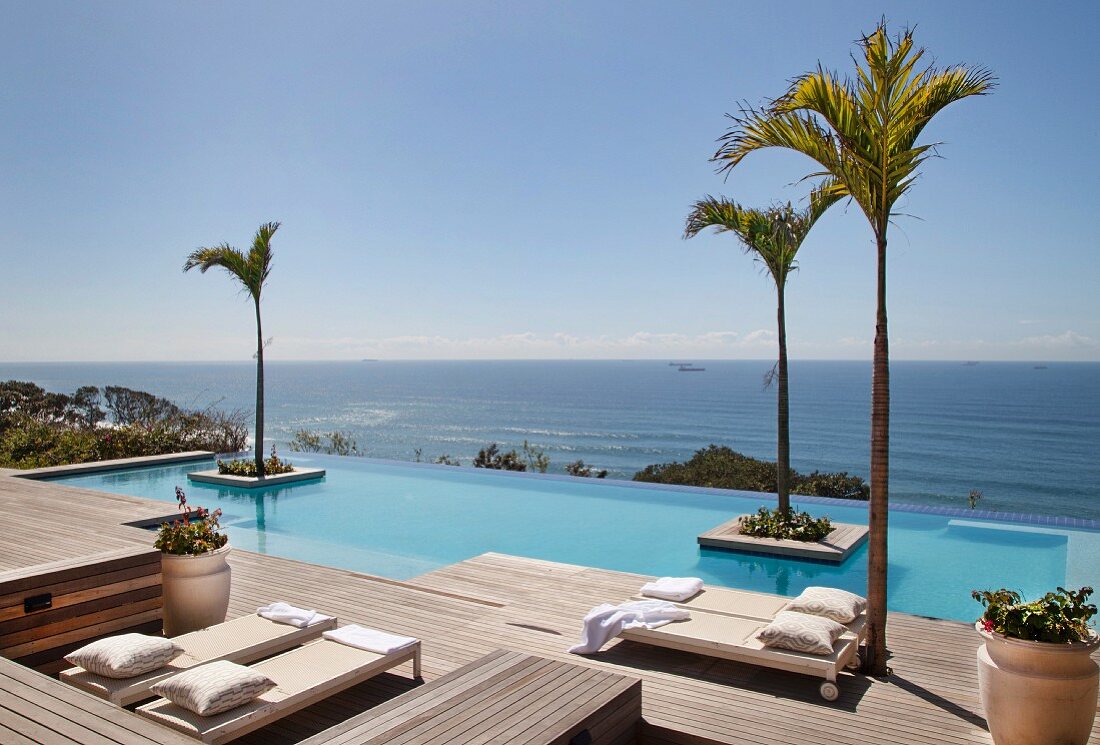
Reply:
x=675 y=589
x=371 y=640
x=604 y=622
x=285 y=613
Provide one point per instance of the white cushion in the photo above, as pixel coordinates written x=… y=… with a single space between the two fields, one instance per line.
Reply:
x=840 y=605
x=801 y=632
x=214 y=687
x=125 y=655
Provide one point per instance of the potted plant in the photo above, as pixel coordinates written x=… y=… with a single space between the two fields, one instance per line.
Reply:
x=194 y=571
x=1037 y=680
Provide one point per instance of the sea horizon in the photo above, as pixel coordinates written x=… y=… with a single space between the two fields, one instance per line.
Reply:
x=1024 y=437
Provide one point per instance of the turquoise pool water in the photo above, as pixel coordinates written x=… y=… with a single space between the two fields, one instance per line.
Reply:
x=399 y=520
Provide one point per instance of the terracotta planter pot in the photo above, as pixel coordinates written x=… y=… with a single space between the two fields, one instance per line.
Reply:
x=196 y=590
x=1037 y=692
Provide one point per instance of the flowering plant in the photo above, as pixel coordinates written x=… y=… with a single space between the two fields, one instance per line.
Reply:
x=1058 y=617
x=195 y=533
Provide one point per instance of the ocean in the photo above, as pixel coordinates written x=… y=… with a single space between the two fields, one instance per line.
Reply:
x=1026 y=436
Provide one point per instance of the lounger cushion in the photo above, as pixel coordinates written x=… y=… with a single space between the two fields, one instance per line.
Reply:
x=214 y=687
x=840 y=605
x=801 y=632
x=125 y=655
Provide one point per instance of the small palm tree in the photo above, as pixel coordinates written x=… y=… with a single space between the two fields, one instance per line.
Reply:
x=862 y=132
x=772 y=236
x=251 y=270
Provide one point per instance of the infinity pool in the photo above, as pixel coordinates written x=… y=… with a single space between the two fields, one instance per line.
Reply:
x=399 y=520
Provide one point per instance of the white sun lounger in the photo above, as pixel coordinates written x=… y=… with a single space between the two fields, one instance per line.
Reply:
x=303 y=676
x=242 y=640
x=746 y=604
x=724 y=624
x=734 y=638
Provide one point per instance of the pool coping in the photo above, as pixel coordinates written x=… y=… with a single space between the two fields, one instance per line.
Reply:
x=1057 y=521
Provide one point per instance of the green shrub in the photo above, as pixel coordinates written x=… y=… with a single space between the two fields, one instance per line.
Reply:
x=40 y=429
x=330 y=443
x=798 y=526
x=579 y=468
x=720 y=467
x=491 y=457
x=1058 y=617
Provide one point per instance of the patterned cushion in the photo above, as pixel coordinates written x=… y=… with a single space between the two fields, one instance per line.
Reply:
x=801 y=632
x=214 y=687
x=840 y=605
x=125 y=655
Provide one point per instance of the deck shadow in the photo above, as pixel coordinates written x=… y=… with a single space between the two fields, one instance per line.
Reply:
x=938 y=701
x=775 y=683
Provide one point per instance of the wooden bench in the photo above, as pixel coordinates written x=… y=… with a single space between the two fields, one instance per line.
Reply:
x=48 y=610
x=503 y=697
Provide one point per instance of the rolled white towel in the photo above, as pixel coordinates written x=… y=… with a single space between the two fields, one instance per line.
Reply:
x=372 y=640
x=675 y=589
x=285 y=613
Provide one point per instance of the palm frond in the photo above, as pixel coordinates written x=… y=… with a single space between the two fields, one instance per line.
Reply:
x=251 y=270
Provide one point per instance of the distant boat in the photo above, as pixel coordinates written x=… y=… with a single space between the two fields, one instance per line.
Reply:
x=1040 y=367
x=970 y=363
x=686 y=368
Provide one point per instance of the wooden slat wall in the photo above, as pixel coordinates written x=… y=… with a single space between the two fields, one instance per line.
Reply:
x=109 y=593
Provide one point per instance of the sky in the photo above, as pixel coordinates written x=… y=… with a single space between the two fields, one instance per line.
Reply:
x=510 y=180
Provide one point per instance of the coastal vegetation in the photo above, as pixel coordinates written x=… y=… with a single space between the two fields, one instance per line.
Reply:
x=251 y=270
x=580 y=469
x=492 y=457
x=329 y=443
x=862 y=132
x=720 y=467
x=40 y=428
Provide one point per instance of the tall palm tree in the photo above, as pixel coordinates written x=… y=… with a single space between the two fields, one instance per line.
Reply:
x=772 y=236
x=862 y=131
x=251 y=270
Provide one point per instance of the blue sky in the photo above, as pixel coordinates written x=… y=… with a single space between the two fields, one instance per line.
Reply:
x=509 y=180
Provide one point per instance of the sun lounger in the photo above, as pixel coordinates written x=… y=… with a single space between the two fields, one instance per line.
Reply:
x=303 y=677
x=724 y=623
x=242 y=640
x=734 y=638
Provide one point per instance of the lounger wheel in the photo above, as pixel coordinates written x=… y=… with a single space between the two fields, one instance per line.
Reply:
x=829 y=691
x=856 y=662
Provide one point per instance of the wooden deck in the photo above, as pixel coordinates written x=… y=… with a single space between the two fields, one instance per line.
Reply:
x=841 y=542
x=35 y=710
x=466 y=610
x=504 y=697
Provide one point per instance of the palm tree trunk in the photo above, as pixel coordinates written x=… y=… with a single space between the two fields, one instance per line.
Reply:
x=259 y=394
x=783 y=459
x=880 y=474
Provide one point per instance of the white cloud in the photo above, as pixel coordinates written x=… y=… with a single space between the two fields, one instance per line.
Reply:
x=529 y=344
